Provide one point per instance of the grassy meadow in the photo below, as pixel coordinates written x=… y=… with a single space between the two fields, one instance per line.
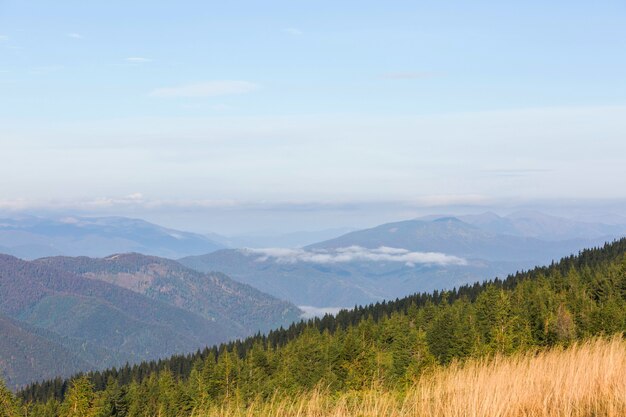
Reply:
x=583 y=380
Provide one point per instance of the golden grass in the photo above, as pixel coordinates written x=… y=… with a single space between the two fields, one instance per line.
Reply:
x=584 y=380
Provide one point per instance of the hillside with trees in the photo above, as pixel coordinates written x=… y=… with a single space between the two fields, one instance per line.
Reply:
x=27 y=356
x=241 y=308
x=388 y=346
x=102 y=324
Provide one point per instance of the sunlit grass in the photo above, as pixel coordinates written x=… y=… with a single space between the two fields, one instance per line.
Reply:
x=584 y=380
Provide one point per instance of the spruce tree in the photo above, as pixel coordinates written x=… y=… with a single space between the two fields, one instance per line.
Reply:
x=79 y=400
x=8 y=404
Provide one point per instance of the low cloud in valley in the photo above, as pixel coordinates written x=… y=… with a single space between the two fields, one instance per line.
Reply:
x=352 y=254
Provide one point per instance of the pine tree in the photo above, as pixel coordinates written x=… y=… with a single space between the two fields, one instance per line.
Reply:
x=79 y=400
x=111 y=402
x=421 y=358
x=8 y=404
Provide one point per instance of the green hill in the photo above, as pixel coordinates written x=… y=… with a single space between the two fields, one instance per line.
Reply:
x=26 y=356
x=59 y=307
x=235 y=306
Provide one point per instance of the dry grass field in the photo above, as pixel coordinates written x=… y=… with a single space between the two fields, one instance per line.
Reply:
x=584 y=380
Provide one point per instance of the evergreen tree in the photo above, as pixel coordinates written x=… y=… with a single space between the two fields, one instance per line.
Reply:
x=79 y=400
x=421 y=358
x=8 y=403
x=112 y=401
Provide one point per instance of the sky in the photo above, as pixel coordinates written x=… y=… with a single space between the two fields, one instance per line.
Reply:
x=282 y=115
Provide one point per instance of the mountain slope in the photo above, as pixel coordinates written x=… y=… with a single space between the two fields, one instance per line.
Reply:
x=99 y=323
x=26 y=357
x=452 y=236
x=542 y=226
x=338 y=284
x=34 y=237
x=29 y=353
x=125 y=308
x=385 y=262
x=238 y=307
x=108 y=315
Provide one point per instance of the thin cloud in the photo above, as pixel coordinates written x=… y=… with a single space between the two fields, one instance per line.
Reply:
x=75 y=35
x=45 y=69
x=522 y=172
x=206 y=89
x=446 y=200
x=221 y=107
x=293 y=31
x=408 y=75
x=137 y=60
x=353 y=254
x=280 y=206
x=134 y=200
x=4 y=38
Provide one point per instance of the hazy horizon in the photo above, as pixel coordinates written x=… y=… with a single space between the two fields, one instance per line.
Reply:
x=264 y=219
x=276 y=117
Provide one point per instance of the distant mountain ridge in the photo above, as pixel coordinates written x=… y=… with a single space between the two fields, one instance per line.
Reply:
x=451 y=235
x=542 y=226
x=32 y=237
x=351 y=269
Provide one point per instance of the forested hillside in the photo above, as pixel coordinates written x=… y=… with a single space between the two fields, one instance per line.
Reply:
x=239 y=307
x=387 y=345
x=92 y=324
x=27 y=356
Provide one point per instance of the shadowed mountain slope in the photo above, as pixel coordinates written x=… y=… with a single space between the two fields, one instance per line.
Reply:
x=99 y=324
x=239 y=307
x=26 y=356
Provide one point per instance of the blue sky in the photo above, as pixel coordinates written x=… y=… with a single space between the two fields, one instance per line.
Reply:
x=173 y=106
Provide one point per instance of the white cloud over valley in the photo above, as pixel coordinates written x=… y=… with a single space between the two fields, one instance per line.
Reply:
x=353 y=254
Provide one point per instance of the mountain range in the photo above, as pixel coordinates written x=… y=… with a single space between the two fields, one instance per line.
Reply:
x=106 y=312
x=61 y=314
x=539 y=225
x=395 y=259
x=515 y=325
x=30 y=237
